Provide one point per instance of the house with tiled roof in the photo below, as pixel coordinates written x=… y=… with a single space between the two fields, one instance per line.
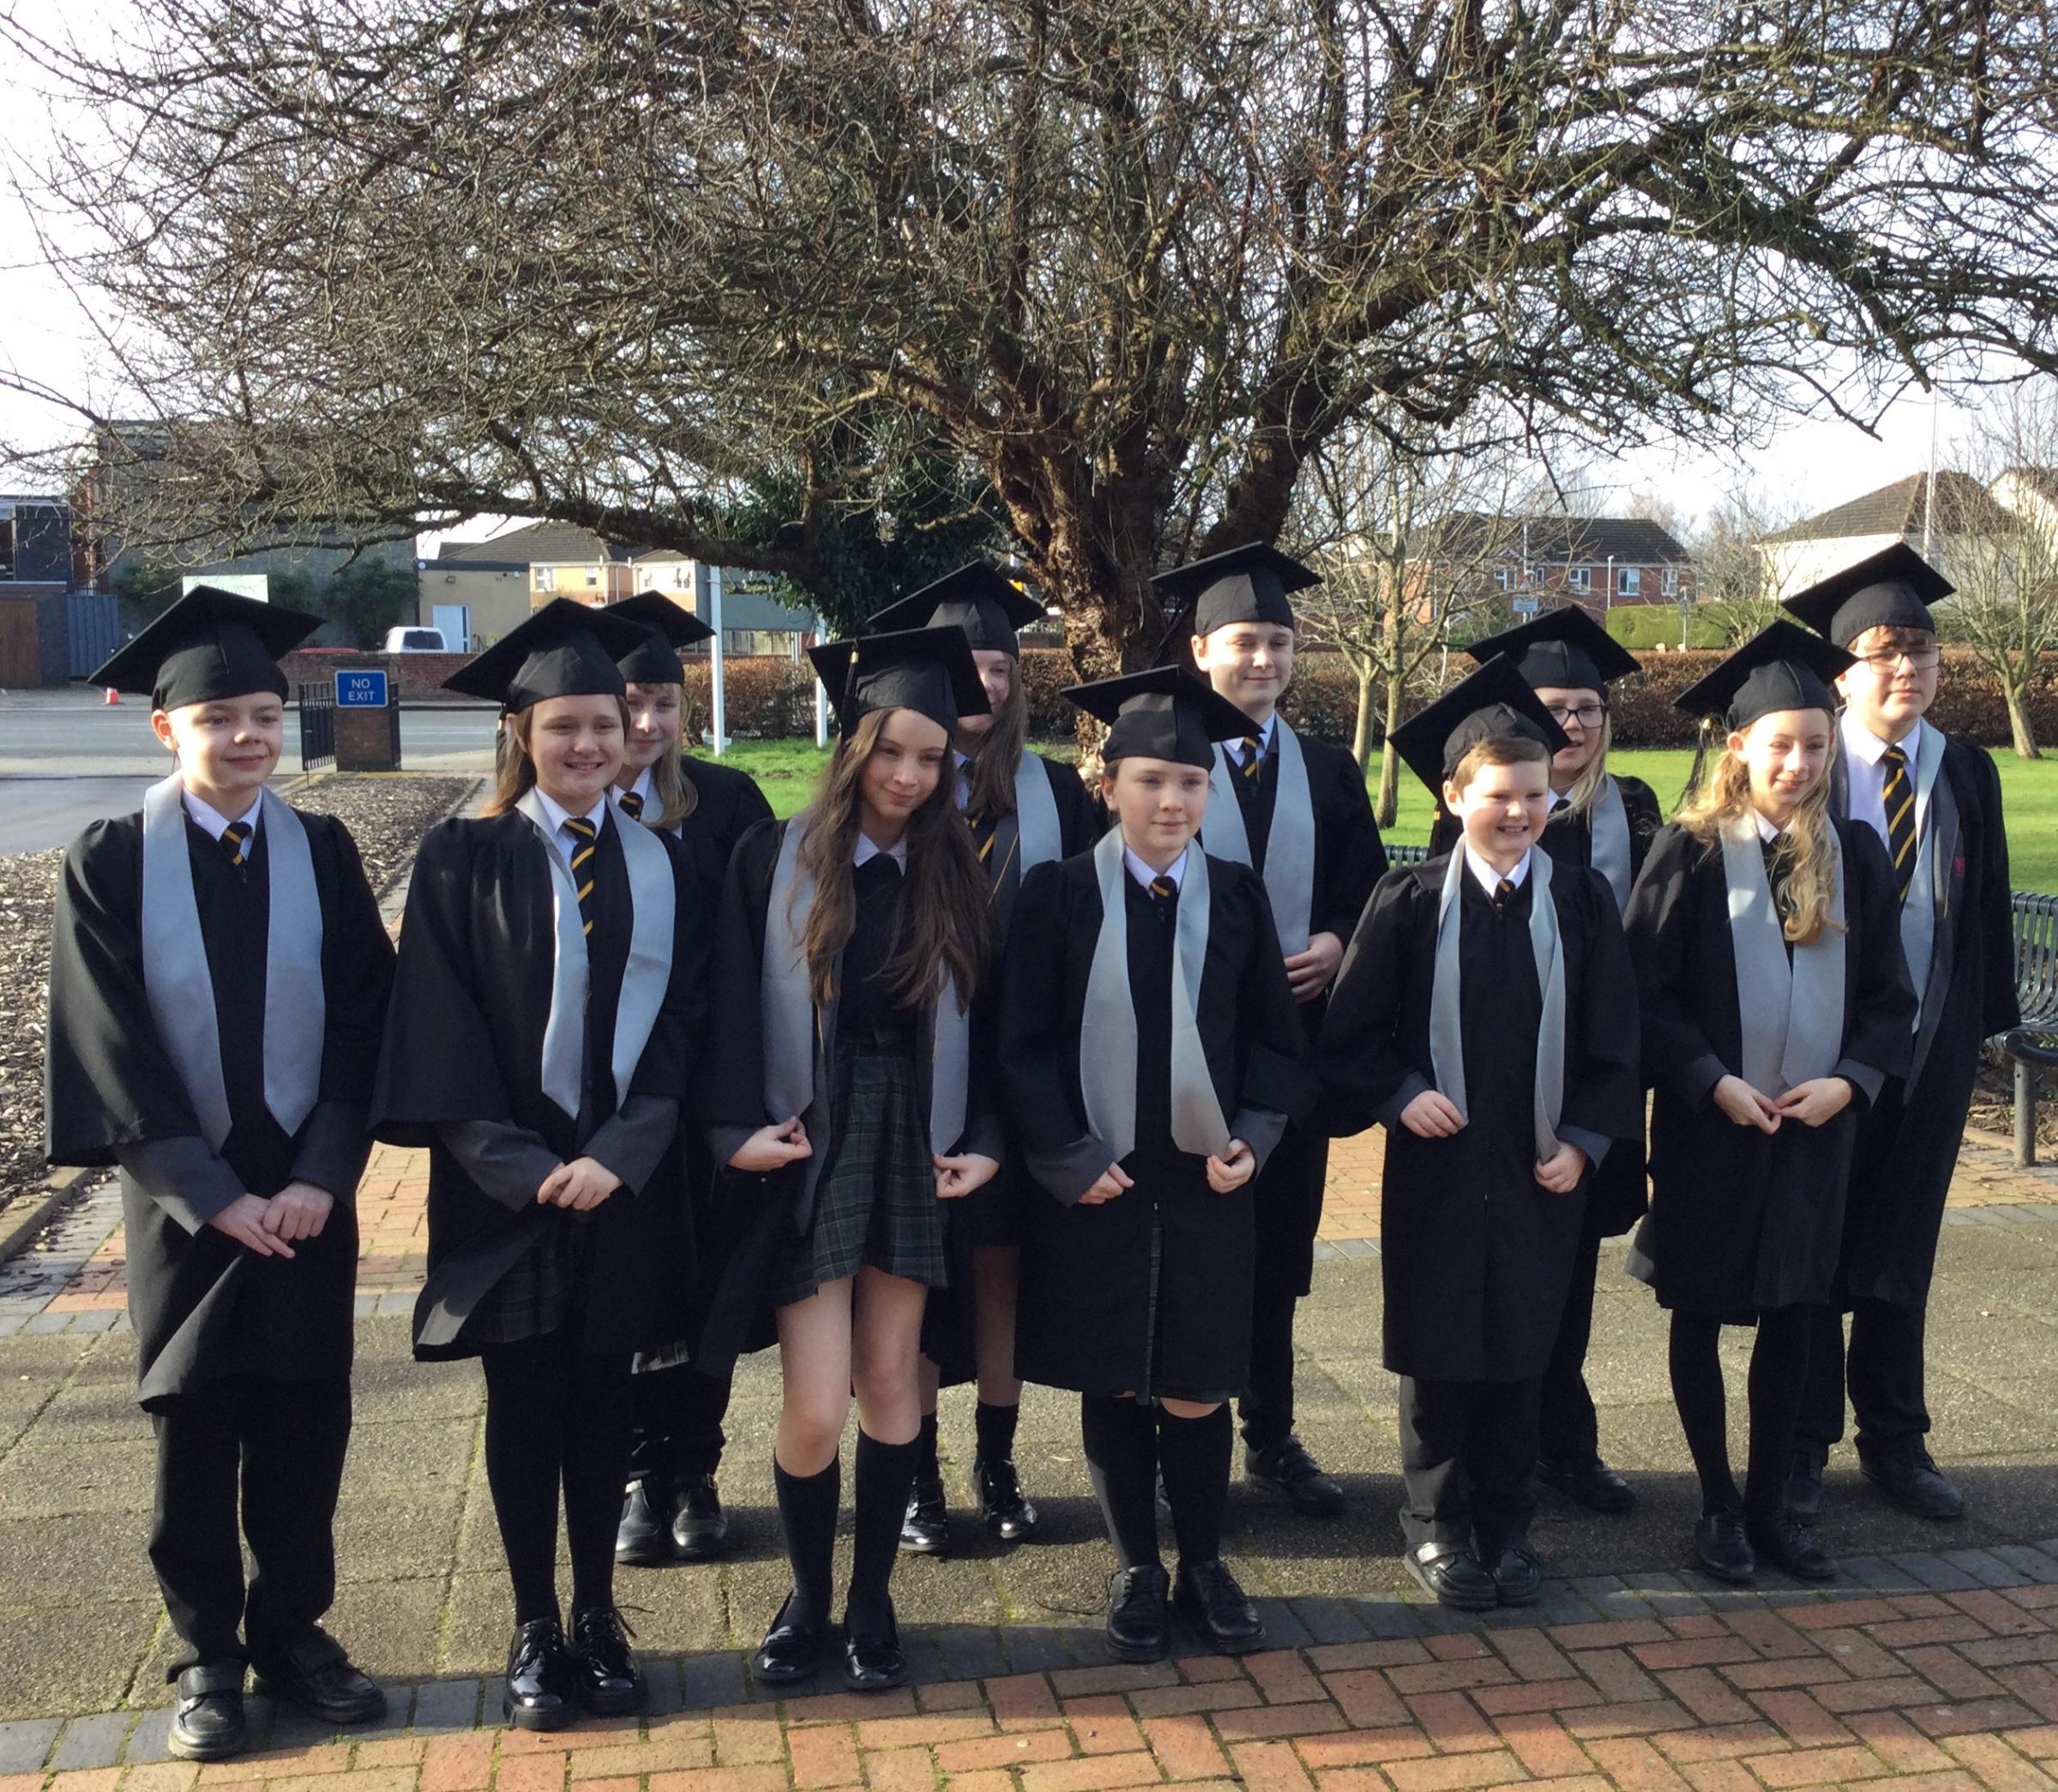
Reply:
x=1595 y=561
x=1910 y=510
x=2031 y=492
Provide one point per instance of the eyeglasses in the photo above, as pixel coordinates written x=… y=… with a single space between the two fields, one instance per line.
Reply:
x=1587 y=715
x=1888 y=659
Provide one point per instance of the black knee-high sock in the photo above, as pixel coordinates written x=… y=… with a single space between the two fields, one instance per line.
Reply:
x=1693 y=1353
x=596 y=1461
x=807 y=1513
x=525 y=1403
x=993 y=1427
x=885 y=1473
x=1778 y=1385
x=1120 y=1438
x=1195 y=1456
x=927 y=1467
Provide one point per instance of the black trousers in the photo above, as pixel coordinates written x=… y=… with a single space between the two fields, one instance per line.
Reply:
x=1567 y=1427
x=1467 y=1451
x=679 y=1423
x=1288 y=1211
x=1883 y=1369
x=283 y=1444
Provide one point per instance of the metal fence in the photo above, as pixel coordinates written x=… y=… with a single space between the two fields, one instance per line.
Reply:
x=93 y=626
x=317 y=726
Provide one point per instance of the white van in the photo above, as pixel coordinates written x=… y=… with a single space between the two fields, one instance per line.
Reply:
x=411 y=640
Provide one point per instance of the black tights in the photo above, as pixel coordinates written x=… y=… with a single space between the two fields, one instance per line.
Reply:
x=1126 y=1444
x=1777 y=1379
x=555 y=1415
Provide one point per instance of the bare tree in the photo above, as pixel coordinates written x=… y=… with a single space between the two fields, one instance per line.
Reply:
x=1738 y=586
x=632 y=265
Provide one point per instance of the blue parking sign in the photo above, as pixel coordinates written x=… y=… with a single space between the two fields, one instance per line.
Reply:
x=360 y=690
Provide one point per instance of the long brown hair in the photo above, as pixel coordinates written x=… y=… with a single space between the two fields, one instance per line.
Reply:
x=1802 y=857
x=992 y=756
x=942 y=907
x=513 y=770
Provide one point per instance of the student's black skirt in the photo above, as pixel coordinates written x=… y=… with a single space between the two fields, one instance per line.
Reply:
x=541 y=1288
x=876 y=1201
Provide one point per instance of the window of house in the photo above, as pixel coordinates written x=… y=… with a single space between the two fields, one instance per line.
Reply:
x=546 y=577
x=1580 y=578
x=1668 y=581
x=1504 y=579
x=593 y=579
x=1629 y=582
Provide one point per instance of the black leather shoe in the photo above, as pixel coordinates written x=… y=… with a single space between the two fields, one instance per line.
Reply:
x=872 y=1658
x=206 y=1722
x=926 y=1529
x=700 y=1527
x=1908 y=1476
x=791 y=1649
x=1591 y=1485
x=1723 y=1548
x=1804 y=1484
x=1208 y=1598
x=1286 y=1469
x=316 y=1676
x=1452 y=1575
x=1790 y=1545
x=542 y=1678
x=640 y=1540
x=1007 y=1510
x=1518 y=1574
x=1139 y=1628
x=610 y=1682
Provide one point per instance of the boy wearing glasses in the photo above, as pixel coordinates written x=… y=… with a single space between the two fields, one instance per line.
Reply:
x=1936 y=803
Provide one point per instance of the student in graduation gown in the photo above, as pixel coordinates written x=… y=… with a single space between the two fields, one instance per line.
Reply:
x=1486 y=1018
x=218 y=981
x=1152 y=1057
x=1024 y=810
x=1606 y=823
x=1935 y=803
x=550 y=1008
x=1776 y=1005
x=1294 y=808
x=672 y=1509
x=851 y=946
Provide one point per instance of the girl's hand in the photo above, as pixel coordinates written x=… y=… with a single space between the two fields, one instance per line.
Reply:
x=1308 y=973
x=1561 y=1171
x=773 y=1147
x=957 y=1176
x=243 y=1218
x=1113 y=1180
x=1817 y=1101
x=1430 y=1116
x=1744 y=1105
x=299 y=1210
x=581 y=1185
x=1233 y=1169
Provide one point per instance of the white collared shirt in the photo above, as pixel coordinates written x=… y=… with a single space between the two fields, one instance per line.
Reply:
x=1143 y=874
x=1489 y=879
x=1263 y=730
x=216 y=823
x=867 y=851
x=1865 y=767
x=1767 y=831
x=561 y=838
x=643 y=788
x=959 y=761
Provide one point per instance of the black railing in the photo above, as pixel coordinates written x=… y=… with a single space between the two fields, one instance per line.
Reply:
x=317 y=726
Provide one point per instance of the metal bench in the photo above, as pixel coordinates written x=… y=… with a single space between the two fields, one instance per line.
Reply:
x=1399 y=856
x=2034 y=1044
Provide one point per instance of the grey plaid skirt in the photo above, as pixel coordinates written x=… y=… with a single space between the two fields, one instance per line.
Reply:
x=876 y=1201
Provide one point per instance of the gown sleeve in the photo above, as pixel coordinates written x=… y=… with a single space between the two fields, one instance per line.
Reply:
x=1880 y=1037
x=1356 y=855
x=1275 y=1086
x=729 y=1098
x=1605 y=1093
x=1659 y=926
x=2000 y=1005
x=1366 y=1077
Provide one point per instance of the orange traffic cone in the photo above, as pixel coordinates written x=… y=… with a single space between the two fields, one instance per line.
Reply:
x=114 y=697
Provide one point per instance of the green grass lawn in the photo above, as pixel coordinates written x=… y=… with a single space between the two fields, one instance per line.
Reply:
x=787 y=771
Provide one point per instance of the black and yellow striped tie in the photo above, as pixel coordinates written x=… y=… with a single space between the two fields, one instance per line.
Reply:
x=1898 y=795
x=235 y=839
x=1164 y=888
x=1252 y=749
x=975 y=823
x=588 y=833
x=1504 y=892
x=632 y=805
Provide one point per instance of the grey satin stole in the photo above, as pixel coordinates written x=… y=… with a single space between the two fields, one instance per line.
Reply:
x=1447 y=1040
x=1032 y=835
x=1290 y=845
x=1107 y=1035
x=786 y=1009
x=181 y=990
x=1928 y=898
x=1609 y=821
x=645 y=978
x=1791 y=1016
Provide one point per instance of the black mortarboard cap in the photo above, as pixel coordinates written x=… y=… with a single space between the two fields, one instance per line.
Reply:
x=928 y=670
x=1891 y=589
x=1562 y=649
x=1780 y=667
x=566 y=649
x=1247 y=584
x=209 y=645
x=978 y=598
x=1494 y=701
x=1165 y=713
x=670 y=625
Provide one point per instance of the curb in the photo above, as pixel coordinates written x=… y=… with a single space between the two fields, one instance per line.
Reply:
x=17 y=1236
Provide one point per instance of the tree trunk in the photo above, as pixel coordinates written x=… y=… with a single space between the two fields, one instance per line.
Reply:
x=1361 y=735
x=1389 y=761
x=2019 y=720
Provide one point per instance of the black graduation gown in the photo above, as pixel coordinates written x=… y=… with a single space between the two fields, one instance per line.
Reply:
x=727 y=804
x=1907 y=1143
x=202 y=1305
x=1476 y=1254
x=1080 y=822
x=464 y=1044
x=1150 y=1291
x=756 y=1215
x=1741 y=1219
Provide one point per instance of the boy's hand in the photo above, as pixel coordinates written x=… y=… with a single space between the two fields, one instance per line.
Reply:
x=1430 y=1116
x=243 y=1219
x=1112 y=1181
x=299 y=1210
x=1744 y=1105
x=1308 y=973
x=581 y=1185
x=773 y=1147
x=1815 y=1102
x=957 y=1176
x=1233 y=1169
x=1561 y=1171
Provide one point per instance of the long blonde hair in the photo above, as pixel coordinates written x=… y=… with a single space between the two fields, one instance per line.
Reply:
x=669 y=783
x=1580 y=797
x=943 y=907
x=1803 y=870
x=991 y=757
x=513 y=769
